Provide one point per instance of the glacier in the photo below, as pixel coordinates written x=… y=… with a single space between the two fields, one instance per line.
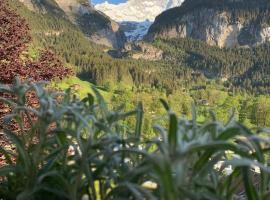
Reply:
x=136 y=16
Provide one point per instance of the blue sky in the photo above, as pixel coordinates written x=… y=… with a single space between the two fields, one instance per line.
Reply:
x=110 y=1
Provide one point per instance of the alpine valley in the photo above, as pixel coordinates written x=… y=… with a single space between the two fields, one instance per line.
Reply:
x=140 y=100
x=213 y=54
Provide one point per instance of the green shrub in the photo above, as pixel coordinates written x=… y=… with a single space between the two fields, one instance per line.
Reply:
x=81 y=150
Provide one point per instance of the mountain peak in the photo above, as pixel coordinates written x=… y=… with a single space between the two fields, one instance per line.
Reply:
x=135 y=17
x=137 y=11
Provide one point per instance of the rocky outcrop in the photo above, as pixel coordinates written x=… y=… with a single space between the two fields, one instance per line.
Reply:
x=214 y=25
x=110 y=37
x=144 y=51
x=98 y=27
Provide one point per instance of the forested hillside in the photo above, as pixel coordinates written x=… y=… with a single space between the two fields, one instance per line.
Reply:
x=239 y=69
x=96 y=26
x=90 y=60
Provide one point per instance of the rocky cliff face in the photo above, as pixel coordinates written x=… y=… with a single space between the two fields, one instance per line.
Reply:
x=144 y=51
x=216 y=24
x=95 y=25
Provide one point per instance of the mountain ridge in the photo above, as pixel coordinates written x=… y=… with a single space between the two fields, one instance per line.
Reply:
x=98 y=27
x=224 y=23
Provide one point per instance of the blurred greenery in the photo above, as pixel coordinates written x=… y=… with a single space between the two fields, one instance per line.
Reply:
x=82 y=149
x=100 y=142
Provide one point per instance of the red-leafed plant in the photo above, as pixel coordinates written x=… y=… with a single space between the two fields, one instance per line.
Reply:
x=14 y=34
x=14 y=41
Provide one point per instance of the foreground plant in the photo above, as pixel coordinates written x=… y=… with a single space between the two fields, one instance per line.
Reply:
x=82 y=150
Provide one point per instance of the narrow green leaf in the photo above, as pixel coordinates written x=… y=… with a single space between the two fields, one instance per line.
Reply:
x=173 y=127
x=20 y=147
x=249 y=187
x=165 y=105
x=228 y=134
x=101 y=102
x=139 y=120
x=89 y=99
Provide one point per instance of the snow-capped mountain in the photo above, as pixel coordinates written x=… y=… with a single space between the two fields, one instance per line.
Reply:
x=136 y=16
x=135 y=30
x=137 y=10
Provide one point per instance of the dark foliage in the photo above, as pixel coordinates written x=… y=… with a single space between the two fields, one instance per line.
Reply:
x=14 y=40
x=14 y=36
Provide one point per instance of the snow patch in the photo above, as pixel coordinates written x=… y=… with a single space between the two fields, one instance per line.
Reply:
x=137 y=11
x=135 y=30
x=135 y=17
